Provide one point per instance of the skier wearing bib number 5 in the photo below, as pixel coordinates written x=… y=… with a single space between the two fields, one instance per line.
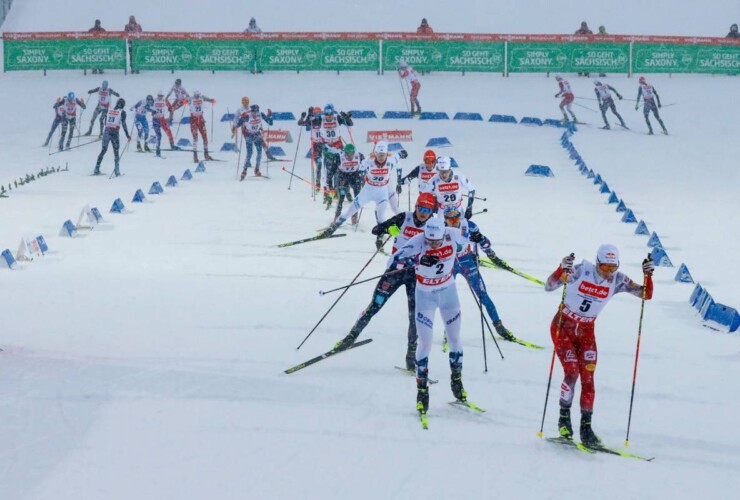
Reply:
x=198 y=123
x=590 y=287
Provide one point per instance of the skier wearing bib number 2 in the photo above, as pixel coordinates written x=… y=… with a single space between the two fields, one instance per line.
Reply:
x=378 y=187
x=198 y=123
x=590 y=287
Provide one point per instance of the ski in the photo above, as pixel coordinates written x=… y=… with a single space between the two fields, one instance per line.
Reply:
x=306 y=240
x=521 y=342
x=413 y=374
x=99 y=173
x=467 y=404
x=569 y=442
x=326 y=355
x=612 y=451
x=215 y=159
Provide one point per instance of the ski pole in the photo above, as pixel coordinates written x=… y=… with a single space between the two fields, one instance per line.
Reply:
x=79 y=125
x=342 y=294
x=480 y=309
x=179 y=122
x=481 y=212
x=389 y=273
x=485 y=320
x=585 y=107
x=212 y=138
x=359 y=216
x=306 y=181
x=555 y=347
x=313 y=167
x=75 y=147
x=240 y=140
x=295 y=157
x=476 y=197
x=403 y=91
x=637 y=356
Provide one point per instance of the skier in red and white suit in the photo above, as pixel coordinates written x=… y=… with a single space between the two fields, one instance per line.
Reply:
x=590 y=287
x=567 y=94
x=198 y=123
x=181 y=97
x=407 y=72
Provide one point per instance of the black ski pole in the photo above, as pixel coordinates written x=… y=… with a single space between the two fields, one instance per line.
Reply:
x=322 y=292
x=295 y=157
x=342 y=295
x=485 y=320
x=476 y=197
x=637 y=357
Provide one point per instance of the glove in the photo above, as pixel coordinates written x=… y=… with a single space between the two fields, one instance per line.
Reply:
x=310 y=111
x=428 y=260
x=213 y=101
x=303 y=115
x=468 y=212
x=476 y=237
x=399 y=189
x=82 y=101
x=557 y=95
x=394 y=230
x=620 y=97
x=349 y=114
x=403 y=154
x=567 y=263
x=269 y=112
x=129 y=138
x=377 y=230
x=636 y=107
x=660 y=105
x=648 y=266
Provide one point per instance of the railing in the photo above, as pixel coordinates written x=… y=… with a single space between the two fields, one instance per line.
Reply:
x=458 y=52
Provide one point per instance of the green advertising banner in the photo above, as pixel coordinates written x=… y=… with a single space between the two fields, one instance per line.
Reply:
x=571 y=57
x=309 y=55
x=665 y=58
x=221 y=55
x=445 y=56
x=64 y=54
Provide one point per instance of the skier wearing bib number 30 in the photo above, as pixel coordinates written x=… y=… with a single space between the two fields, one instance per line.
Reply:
x=590 y=287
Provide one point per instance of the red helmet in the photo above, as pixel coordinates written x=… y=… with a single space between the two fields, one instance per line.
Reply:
x=316 y=110
x=642 y=79
x=429 y=156
x=427 y=200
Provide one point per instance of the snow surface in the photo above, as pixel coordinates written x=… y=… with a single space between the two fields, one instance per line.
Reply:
x=145 y=359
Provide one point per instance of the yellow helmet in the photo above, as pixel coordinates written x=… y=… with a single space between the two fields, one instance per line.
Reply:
x=245 y=101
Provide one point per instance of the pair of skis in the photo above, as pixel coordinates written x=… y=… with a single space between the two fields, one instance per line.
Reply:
x=465 y=405
x=596 y=449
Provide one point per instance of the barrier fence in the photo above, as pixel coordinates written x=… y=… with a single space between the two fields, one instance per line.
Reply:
x=453 y=52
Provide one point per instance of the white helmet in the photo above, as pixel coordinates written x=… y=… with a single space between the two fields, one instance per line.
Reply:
x=160 y=93
x=607 y=254
x=402 y=63
x=434 y=229
x=381 y=147
x=196 y=93
x=443 y=164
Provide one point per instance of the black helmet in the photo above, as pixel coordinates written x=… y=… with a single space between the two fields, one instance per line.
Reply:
x=149 y=98
x=178 y=82
x=120 y=103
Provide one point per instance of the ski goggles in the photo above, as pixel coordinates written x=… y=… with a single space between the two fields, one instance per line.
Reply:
x=434 y=243
x=608 y=268
x=424 y=210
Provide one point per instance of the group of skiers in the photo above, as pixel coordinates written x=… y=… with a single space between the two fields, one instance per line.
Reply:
x=646 y=91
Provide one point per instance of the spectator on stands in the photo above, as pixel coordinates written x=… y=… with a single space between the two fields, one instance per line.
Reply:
x=602 y=32
x=132 y=27
x=424 y=28
x=97 y=29
x=253 y=28
x=733 y=32
x=583 y=30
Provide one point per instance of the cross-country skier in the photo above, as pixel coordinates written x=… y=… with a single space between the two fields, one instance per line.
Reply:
x=651 y=101
x=467 y=263
x=58 y=117
x=332 y=144
x=105 y=96
x=141 y=109
x=590 y=287
x=159 y=122
x=606 y=101
x=312 y=121
x=181 y=98
x=424 y=171
x=433 y=254
x=114 y=119
x=407 y=73
x=251 y=127
x=568 y=97
x=378 y=187
x=69 y=122
x=403 y=226
x=198 y=123
x=448 y=187
x=349 y=177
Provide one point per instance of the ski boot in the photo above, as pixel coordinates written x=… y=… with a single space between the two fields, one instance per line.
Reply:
x=209 y=157
x=332 y=227
x=89 y=132
x=138 y=147
x=355 y=219
x=195 y=157
x=565 y=428
x=116 y=172
x=146 y=148
x=158 y=154
x=257 y=172
x=97 y=170
x=379 y=243
x=422 y=386
x=665 y=131
x=503 y=331
x=456 y=376
x=327 y=200
x=411 y=357
x=588 y=437
x=606 y=127
x=173 y=147
x=650 y=132
x=346 y=341
x=46 y=144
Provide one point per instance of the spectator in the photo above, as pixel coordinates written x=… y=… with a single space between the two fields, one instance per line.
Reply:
x=733 y=32
x=583 y=30
x=602 y=32
x=97 y=29
x=132 y=27
x=253 y=28
x=424 y=28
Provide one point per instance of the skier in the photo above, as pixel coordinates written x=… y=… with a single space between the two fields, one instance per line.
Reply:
x=251 y=125
x=407 y=73
x=69 y=121
x=467 y=263
x=448 y=187
x=568 y=98
x=349 y=177
x=332 y=145
x=141 y=108
x=104 y=99
x=403 y=226
x=377 y=187
x=607 y=102
x=424 y=171
x=198 y=123
x=114 y=119
x=58 y=117
x=589 y=289
x=650 y=97
x=159 y=122
x=181 y=98
x=312 y=121
x=433 y=254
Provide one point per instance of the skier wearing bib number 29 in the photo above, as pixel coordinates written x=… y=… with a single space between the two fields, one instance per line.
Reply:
x=590 y=287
